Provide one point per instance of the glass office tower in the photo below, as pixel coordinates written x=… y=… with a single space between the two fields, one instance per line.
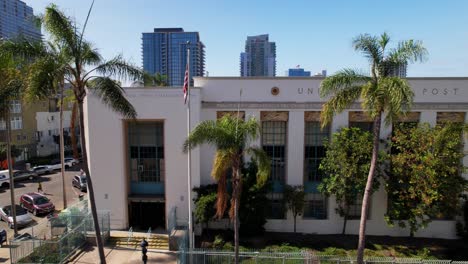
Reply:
x=165 y=52
x=17 y=19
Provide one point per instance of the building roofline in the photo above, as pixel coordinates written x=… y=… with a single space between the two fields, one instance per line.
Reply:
x=312 y=78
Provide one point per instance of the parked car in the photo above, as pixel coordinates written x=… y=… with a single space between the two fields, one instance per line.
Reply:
x=36 y=203
x=22 y=216
x=43 y=169
x=24 y=175
x=79 y=181
x=71 y=161
x=55 y=165
x=4 y=179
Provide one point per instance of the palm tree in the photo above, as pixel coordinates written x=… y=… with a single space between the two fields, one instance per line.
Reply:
x=157 y=79
x=231 y=136
x=11 y=85
x=381 y=92
x=80 y=55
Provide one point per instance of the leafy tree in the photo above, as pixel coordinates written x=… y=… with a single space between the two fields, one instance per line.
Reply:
x=425 y=175
x=86 y=71
x=15 y=152
x=378 y=93
x=294 y=197
x=12 y=83
x=205 y=207
x=231 y=136
x=346 y=165
x=156 y=79
x=253 y=201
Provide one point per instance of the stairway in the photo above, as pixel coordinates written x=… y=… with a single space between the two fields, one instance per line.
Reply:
x=156 y=241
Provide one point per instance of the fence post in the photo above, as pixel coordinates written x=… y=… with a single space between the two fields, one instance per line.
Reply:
x=284 y=259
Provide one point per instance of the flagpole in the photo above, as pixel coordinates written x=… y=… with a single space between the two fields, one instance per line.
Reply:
x=189 y=161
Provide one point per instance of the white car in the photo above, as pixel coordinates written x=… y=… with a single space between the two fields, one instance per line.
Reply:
x=70 y=162
x=4 y=179
x=22 y=216
x=43 y=169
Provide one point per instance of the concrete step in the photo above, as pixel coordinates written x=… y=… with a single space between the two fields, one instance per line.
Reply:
x=154 y=242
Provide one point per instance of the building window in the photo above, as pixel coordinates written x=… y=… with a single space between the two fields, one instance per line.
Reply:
x=2 y=125
x=50 y=132
x=16 y=123
x=356 y=207
x=314 y=150
x=364 y=126
x=315 y=206
x=146 y=151
x=15 y=106
x=276 y=207
x=274 y=144
x=18 y=137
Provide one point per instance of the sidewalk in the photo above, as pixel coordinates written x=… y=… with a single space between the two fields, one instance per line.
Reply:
x=123 y=255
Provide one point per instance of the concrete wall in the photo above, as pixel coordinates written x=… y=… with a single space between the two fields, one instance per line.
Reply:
x=106 y=149
x=50 y=121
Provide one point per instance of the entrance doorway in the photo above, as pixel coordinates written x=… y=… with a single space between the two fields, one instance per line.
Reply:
x=144 y=215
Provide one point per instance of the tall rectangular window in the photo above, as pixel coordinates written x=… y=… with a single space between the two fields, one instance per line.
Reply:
x=315 y=206
x=146 y=147
x=314 y=150
x=274 y=142
x=16 y=123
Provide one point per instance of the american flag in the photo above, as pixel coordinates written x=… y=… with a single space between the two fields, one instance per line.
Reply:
x=186 y=84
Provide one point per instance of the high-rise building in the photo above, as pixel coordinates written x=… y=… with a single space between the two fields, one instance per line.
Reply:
x=298 y=72
x=259 y=58
x=17 y=19
x=165 y=52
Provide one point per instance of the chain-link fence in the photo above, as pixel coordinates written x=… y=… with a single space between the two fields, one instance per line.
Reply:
x=202 y=256
x=65 y=233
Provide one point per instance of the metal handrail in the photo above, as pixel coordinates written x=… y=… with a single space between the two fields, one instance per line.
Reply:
x=130 y=235
x=148 y=234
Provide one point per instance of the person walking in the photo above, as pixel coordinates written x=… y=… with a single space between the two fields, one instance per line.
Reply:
x=39 y=187
x=144 y=250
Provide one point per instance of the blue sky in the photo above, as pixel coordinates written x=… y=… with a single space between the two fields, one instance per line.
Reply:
x=314 y=34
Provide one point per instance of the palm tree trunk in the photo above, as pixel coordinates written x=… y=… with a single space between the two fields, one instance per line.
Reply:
x=365 y=200
x=236 y=194
x=10 y=168
x=295 y=216
x=62 y=148
x=72 y=131
x=92 y=202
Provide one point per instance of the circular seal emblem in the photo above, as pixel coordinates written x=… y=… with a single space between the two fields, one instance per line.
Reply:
x=275 y=91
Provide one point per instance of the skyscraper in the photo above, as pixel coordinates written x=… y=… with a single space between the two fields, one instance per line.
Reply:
x=259 y=58
x=165 y=52
x=298 y=72
x=17 y=19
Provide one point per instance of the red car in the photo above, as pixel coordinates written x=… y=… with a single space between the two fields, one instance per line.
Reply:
x=36 y=203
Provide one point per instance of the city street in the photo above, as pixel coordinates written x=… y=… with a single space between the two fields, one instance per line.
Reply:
x=52 y=188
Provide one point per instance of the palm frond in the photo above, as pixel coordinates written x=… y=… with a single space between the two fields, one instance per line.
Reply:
x=43 y=78
x=263 y=162
x=89 y=55
x=208 y=132
x=120 y=68
x=112 y=94
x=339 y=101
x=399 y=97
x=222 y=163
x=343 y=79
x=383 y=41
x=60 y=27
x=250 y=129
x=369 y=46
x=22 y=49
x=408 y=51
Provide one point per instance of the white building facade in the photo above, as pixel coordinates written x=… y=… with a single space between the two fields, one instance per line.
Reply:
x=140 y=172
x=48 y=126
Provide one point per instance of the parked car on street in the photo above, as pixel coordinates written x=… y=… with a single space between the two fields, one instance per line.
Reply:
x=79 y=181
x=36 y=203
x=22 y=216
x=4 y=179
x=24 y=175
x=55 y=165
x=70 y=161
x=41 y=170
